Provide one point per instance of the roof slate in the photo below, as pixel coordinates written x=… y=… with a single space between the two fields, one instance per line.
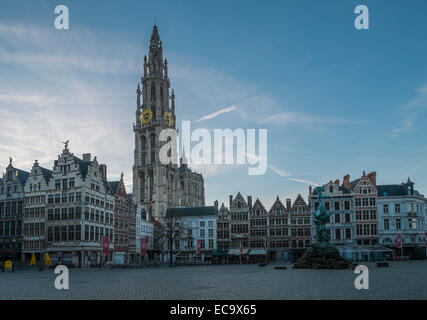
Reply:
x=191 y=211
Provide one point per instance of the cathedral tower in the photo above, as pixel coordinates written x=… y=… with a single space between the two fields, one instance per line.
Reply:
x=157 y=186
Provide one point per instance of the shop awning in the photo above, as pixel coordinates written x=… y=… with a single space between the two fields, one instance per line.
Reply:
x=219 y=253
x=237 y=252
x=257 y=252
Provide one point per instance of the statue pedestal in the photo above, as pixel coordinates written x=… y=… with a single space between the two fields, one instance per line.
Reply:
x=321 y=256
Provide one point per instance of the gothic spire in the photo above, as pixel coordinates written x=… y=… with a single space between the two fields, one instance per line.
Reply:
x=155 y=62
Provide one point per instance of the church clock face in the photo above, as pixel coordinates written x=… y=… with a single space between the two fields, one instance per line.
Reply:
x=146 y=116
x=168 y=119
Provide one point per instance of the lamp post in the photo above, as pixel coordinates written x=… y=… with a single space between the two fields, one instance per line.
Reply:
x=41 y=254
x=13 y=252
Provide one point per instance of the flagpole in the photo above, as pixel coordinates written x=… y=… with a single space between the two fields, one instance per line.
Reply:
x=240 y=251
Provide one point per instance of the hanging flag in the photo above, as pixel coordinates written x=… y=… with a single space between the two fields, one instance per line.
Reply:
x=399 y=241
x=265 y=245
x=143 y=246
x=33 y=260
x=241 y=247
x=199 y=246
x=426 y=238
x=105 y=245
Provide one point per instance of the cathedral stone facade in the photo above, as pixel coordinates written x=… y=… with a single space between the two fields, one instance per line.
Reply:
x=157 y=186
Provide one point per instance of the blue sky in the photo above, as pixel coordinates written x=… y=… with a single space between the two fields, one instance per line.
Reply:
x=335 y=100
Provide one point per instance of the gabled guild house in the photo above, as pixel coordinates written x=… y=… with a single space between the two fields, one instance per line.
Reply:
x=239 y=211
x=258 y=232
x=35 y=213
x=300 y=226
x=278 y=232
x=124 y=224
x=339 y=202
x=80 y=210
x=12 y=213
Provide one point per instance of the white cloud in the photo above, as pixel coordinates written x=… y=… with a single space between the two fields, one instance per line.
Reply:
x=280 y=172
x=304 y=181
x=411 y=111
x=217 y=113
x=406 y=124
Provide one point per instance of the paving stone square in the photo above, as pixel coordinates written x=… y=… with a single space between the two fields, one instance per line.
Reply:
x=401 y=280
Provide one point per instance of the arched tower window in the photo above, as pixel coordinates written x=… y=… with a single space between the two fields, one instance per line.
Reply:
x=152 y=147
x=143 y=149
x=143 y=143
x=153 y=91
x=142 y=187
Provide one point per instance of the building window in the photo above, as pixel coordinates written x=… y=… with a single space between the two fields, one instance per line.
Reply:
x=385 y=208
x=347 y=205
x=347 y=218
x=398 y=224
x=348 y=233
x=211 y=244
x=336 y=206
x=386 y=224
x=397 y=208
x=337 y=234
x=337 y=218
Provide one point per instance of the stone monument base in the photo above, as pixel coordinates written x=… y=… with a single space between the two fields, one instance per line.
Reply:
x=321 y=256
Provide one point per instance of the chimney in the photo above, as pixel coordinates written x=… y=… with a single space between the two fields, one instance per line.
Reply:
x=250 y=202
x=288 y=204
x=373 y=177
x=231 y=200
x=216 y=205
x=310 y=191
x=86 y=156
x=103 y=169
x=346 y=181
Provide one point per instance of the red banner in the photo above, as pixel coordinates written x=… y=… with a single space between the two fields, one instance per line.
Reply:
x=399 y=241
x=143 y=246
x=241 y=246
x=426 y=239
x=105 y=245
x=199 y=246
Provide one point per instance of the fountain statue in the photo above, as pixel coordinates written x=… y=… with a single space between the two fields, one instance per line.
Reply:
x=322 y=254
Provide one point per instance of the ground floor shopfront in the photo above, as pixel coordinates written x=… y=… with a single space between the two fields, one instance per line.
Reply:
x=409 y=251
x=77 y=257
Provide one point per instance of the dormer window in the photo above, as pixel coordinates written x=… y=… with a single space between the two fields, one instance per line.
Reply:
x=331 y=189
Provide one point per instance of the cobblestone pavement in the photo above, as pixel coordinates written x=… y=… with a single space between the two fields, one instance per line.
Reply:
x=402 y=280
